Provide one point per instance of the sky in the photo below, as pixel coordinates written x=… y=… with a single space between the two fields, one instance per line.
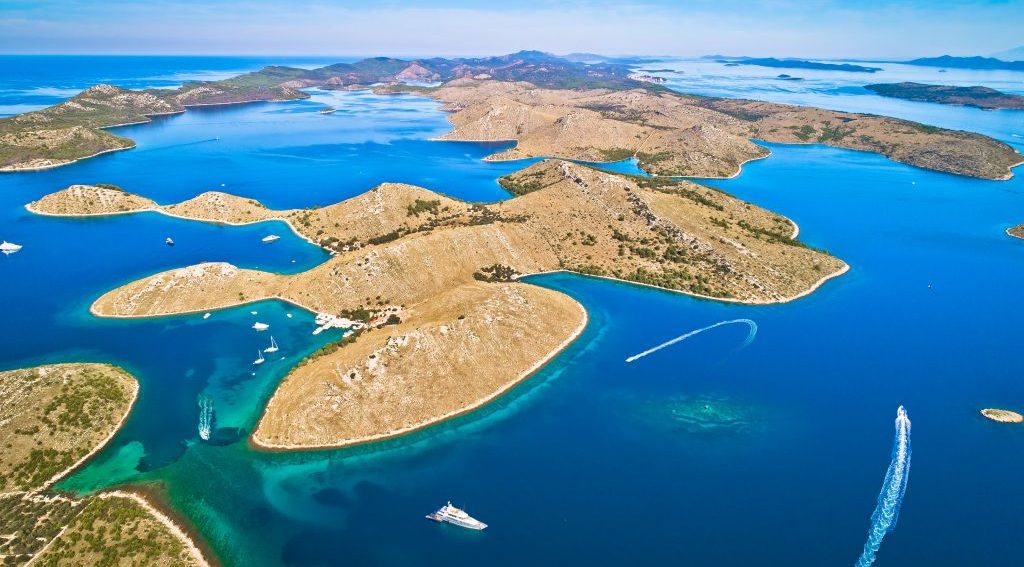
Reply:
x=782 y=28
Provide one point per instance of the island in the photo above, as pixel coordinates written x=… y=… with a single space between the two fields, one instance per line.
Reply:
x=981 y=63
x=798 y=64
x=977 y=96
x=551 y=107
x=434 y=284
x=1002 y=416
x=1016 y=231
x=54 y=419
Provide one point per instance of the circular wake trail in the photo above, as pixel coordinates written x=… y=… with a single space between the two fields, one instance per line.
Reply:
x=883 y=520
x=681 y=338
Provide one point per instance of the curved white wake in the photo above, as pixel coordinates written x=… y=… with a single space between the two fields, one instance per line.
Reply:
x=887 y=512
x=680 y=338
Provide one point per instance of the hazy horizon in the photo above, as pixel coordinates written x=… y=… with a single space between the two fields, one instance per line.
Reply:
x=778 y=28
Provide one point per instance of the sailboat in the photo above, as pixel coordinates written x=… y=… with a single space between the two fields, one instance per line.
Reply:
x=273 y=345
x=9 y=247
x=259 y=358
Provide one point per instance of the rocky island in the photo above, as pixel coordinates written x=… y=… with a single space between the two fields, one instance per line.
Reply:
x=435 y=279
x=978 y=97
x=1002 y=416
x=1016 y=231
x=53 y=419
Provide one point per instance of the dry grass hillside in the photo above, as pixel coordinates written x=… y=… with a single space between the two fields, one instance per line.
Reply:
x=678 y=135
x=80 y=200
x=451 y=355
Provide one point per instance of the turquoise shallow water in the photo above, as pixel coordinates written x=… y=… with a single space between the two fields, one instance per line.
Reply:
x=702 y=453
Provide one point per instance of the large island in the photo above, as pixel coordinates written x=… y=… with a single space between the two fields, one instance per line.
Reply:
x=978 y=97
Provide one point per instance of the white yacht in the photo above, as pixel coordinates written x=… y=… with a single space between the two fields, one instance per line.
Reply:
x=9 y=247
x=260 y=326
x=453 y=515
x=273 y=345
x=169 y=241
x=259 y=357
x=271 y=238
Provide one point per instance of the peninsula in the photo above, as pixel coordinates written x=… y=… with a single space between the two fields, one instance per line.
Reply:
x=979 y=97
x=54 y=418
x=435 y=279
x=551 y=107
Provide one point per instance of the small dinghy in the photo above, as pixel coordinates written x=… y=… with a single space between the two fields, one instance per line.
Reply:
x=260 y=326
x=259 y=359
x=9 y=247
x=273 y=345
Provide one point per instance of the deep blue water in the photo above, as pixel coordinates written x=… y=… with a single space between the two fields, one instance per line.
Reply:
x=701 y=453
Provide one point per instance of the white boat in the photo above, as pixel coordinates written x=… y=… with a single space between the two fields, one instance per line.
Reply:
x=273 y=345
x=271 y=238
x=206 y=316
x=252 y=312
x=259 y=359
x=260 y=326
x=9 y=247
x=455 y=516
x=288 y=315
x=169 y=241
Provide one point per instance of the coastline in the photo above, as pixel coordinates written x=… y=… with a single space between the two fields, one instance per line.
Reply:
x=95 y=450
x=159 y=209
x=189 y=537
x=10 y=169
x=273 y=447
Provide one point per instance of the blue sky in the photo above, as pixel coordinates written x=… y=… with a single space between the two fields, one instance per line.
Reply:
x=809 y=28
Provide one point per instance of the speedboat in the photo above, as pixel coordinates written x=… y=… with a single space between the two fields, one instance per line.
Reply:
x=456 y=516
x=9 y=247
x=169 y=241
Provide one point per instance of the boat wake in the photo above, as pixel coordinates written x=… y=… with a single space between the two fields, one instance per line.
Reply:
x=883 y=520
x=681 y=338
x=205 y=418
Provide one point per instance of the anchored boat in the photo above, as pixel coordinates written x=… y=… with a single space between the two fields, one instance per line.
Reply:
x=271 y=238
x=273 y=345
x=260 y=326
x=456 y=516
x=169 y=241
x=259 y=358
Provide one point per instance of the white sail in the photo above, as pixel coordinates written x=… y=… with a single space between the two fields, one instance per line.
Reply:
x=273 y=345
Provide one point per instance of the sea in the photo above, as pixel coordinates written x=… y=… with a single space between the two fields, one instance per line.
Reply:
x=767 y=441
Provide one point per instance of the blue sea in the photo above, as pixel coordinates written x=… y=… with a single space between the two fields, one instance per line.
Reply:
x=706 y=452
